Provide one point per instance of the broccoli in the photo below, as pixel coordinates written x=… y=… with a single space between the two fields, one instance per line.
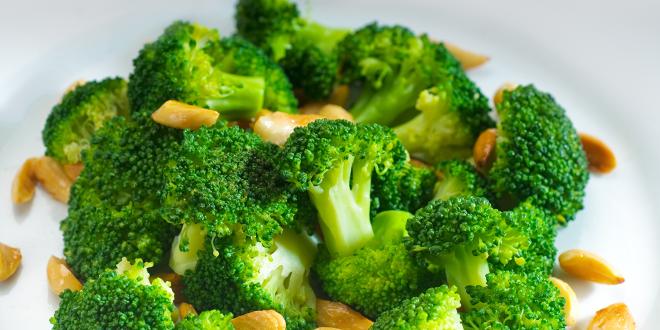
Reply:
x=378 y=276
x=305 y=49
x=82 y=111
x=460 y=235
x=118 y=299
x=515 y=301
x=459 y=178
x=538 y=155
x=190 y=63
x=434 y=309
x=406 y=187
x=208 y=320
x=334 y=160
x=114 y=204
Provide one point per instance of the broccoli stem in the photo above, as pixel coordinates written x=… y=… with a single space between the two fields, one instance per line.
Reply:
x=385 y=104
x=344 y=211
x=321 y=36
x=239 y=97
x=465 y=269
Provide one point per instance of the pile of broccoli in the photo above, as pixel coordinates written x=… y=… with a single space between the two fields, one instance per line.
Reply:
x=387 y=214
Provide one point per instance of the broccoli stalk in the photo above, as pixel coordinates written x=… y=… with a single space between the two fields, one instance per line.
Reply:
x=186 y=246
x=235 y=95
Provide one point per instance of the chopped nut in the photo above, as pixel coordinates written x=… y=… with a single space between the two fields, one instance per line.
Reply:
x=52 y=177
x=73 y=170
x=337 y=315
x=10 y=259
x=74 y=85
x=468 y=59
x=570 y=307
x=613 y=317
x=60 y=277
x=260 y=320
x=277 y=126
x=483 y=151
x=600 y=157
x=339 y=96
x=180 y=115
x=186 y=309
x=589 y=267
x=22 y=189
x=497 y=98
x=332 y=111
x=175 y=282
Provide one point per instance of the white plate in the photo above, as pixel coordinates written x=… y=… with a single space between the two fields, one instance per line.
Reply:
x=599 y=59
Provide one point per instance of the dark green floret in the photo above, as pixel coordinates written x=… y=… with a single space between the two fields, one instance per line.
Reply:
x=459 y=178
x=539 y=155
x=82 y=111
x=406 y=187
x=208 y=320
x=434 y=309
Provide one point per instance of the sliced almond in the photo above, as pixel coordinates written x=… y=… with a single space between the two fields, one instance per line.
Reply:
x=483 y=151
x=277 y=126
x=73 y=170
x=337 y=315
x=332 y=111
x=600 y=157
x=184 y=116
x=499 y=94
x=60 y=277
x=186 y=309
x=176 y=284
x=468 y=59
x=22 y=189
x=570 y=307
x=339 y=95
x=260 y=320
x=613 y=317
x=10 y=259
x=51 y=176
x=589 y=267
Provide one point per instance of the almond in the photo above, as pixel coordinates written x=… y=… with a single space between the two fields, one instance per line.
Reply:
x=589 y=267
x=10 y=259
x=600 y=157
x=613 y=317
x=184 y=116
x=337 y=315
x=260 y=320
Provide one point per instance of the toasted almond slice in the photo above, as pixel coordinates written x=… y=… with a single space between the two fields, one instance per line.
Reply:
x=73 y=170
x=339 y=96
x=332 y=111
x=22 y=189
x=497 y=98
x=483 y=151
x=73 y=86
x=589 y=267
x=600 y=157
x=60 y=277
x=260 y=320
x=10 y=259
x=337 y=315
x=180 y=115
x=186 y=309
x=277 y=126
x=468 y=59
x=52 y=177
x=613 y=317
x=570 y=307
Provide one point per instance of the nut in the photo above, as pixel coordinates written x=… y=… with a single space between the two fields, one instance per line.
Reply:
x=175 y=283
x=339 y=95
x=72 y=171
x=22 y=189
x=613 y=317
x=60 y=277
x=600 y=157
x=589 y=267
x=186 y=309
x=483 y=151
x=260 y=320
x=570 y=307
x=10 y=259
x=52 y=177
x=468 y=59
x=332 y=111
x=180 y=115
x=497 y=98
x=337 y=315
x=277 y=126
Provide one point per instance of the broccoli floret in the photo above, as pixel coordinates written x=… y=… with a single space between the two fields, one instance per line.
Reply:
x=378 y=276
x=114 y=204
x=190 y=64
x=459 y=178
x=81 y=113
x=118 y=299
x=453 y=114
x=460 y=235
x=538 y=155
x=208 y=320
x=305 y=49
x=334 y=160
x=406 y=187
x=515 y=301
x=434 y=309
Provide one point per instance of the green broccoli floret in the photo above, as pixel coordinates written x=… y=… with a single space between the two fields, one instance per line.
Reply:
x=190 y=64
x=334 y=160
x=82 y=111
x=114 y=204
x=406 y=187
x=538 y=155
x=453 y=114
x=378 y=276
x=305 y=49
x=460 y=235
x=118 y=299
x=459 y=178
x=208 y=320
x=515 y=301
x=434 y=309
